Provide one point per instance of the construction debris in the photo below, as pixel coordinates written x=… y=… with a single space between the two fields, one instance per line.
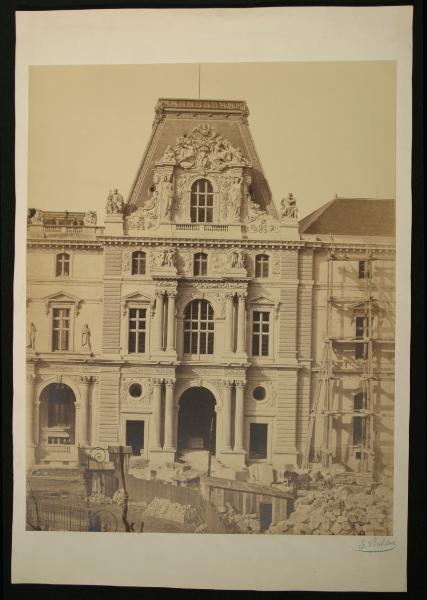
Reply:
x=346 y=510
x=160 y=508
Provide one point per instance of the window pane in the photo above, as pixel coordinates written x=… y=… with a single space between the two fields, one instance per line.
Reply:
x=186 y=342
x=265 y=345
x=255 y=345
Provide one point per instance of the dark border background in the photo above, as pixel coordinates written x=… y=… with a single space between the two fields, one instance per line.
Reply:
x=417 y=516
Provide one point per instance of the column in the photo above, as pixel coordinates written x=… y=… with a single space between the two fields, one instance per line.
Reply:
x=30 y=419
x=155 y=429
x=226 y=417
x=239 y=417
x=229 y=323
x=169 y=414
x=171 y=322
x=82 y=423
x=241 y=323
x=37 y=423
x=158 y=322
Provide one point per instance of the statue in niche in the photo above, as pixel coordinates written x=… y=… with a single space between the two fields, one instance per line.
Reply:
x=167 y=195
x=288 y=207
x=168 y=155
x=31 y=336
x=86 y=338
x=235 y=197
x=90 y=218
x=115 y=203
x=237 y=260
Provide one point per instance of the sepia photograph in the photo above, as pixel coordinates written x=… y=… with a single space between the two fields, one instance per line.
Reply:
x=212 y=298
x=210 y=320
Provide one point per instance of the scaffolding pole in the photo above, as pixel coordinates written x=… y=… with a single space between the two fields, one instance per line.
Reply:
x=324 y=399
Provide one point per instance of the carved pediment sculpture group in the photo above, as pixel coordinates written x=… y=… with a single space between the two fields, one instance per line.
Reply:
x=205 y=153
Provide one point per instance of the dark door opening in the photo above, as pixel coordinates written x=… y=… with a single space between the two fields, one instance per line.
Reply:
x=195 y=416
x=135 y=436
x=258 y=440
x=265 y=515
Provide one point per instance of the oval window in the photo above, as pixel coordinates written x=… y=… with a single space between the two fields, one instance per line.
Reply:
x=259 y=393
x=135 y=390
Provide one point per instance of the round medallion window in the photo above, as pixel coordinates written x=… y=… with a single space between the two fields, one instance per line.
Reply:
x=259 y=393
x=135 y=390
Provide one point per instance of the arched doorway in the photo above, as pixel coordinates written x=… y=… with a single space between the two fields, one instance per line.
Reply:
x=196 y=420
x=57 y=415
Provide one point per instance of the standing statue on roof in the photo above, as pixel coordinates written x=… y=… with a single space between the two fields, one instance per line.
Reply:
x=288 y=207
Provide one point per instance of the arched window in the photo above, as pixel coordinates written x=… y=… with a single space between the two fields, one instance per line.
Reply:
x=199 y=328
x=62 y=264
x=200 y=263
x=138 y=263
x=261 y=265
x=201 y=203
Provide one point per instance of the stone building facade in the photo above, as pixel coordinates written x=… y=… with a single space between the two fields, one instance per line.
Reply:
x=195 y=316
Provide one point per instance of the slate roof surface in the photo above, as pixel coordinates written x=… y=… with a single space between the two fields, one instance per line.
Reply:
x=352 y=216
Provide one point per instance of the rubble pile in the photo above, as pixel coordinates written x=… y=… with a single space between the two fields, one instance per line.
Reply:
x=242 y=523
x=342 y=510
x=160 y=508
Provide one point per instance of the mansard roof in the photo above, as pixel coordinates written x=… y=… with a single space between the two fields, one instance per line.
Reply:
x=352 y=216
x=184 y=123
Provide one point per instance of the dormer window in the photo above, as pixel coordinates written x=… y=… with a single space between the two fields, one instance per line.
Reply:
x=62 y=265
x=261 y=265
x=201 y=202
x=138 y=263
x=200 y=263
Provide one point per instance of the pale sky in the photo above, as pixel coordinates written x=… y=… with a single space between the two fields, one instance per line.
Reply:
x=320 y=129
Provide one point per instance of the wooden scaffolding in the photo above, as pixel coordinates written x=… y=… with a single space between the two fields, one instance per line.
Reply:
x=325 y=409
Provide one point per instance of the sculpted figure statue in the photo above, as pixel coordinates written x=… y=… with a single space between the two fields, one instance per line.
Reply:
x=167 y=195
x=86 y=338
x=235 y=196
x=202 y=157
x=237 y=260
x=90 y=218
x=220 y=154
x=169 y=257
x=168 y=155
x=288 y=207
x=37 y=218
x=115 y=203
x=31 y=336
x=185 y=152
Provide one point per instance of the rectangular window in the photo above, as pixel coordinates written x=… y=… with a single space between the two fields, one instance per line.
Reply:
x=61 y=329
x=360 y=348
x=260 y=333
x=137 y=330
x=258 y=440
x=364 y=272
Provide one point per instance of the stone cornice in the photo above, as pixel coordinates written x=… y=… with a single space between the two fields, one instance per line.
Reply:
x=172 y=106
